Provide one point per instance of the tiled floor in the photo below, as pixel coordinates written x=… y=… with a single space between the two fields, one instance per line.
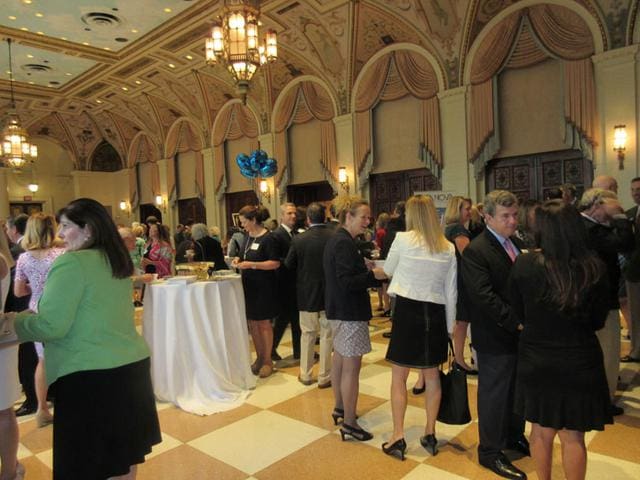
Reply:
x=285 y=431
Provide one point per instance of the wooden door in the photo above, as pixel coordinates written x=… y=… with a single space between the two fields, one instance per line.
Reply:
x=149 y=210
x=191 y=210
x=388 y=188
x=303 y=195
x=235 y=201
x=533 y=176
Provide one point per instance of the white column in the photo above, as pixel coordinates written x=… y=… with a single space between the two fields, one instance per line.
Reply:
x=457 y=174
x=617 y=83
x=169 y=216
x=210 y=200
x=272 y=201
x=345 y=150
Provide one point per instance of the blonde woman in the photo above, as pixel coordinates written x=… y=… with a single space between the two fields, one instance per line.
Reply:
x=422 y=267
x=40 y=250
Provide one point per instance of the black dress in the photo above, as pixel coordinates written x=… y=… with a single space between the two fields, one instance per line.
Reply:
x=451 y=232
x=561 y=381
x=260 y=286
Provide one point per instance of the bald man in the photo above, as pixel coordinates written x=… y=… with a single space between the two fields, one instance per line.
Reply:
x=606 y=182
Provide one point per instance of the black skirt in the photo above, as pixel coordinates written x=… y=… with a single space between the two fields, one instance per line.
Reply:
x=418 y=334
x=105 y=421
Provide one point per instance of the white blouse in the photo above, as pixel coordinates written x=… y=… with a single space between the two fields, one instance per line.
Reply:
x=420 y=275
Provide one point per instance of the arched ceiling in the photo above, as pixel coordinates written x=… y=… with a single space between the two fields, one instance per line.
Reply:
x=94 y=70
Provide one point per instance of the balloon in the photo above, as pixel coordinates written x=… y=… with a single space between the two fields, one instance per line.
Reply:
x=256 y=164
x=242 y=160
x=261 y=156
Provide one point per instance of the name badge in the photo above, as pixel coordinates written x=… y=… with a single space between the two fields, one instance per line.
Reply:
x=255 y=246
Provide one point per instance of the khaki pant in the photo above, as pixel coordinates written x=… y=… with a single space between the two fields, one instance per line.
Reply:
x=310 y=324
x=609 y=337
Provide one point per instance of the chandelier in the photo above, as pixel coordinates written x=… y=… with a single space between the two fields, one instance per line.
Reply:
x=15 y=148
x=234 y=43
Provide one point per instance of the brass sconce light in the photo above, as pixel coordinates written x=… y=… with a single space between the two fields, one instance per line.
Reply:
x=265 y=192
x=620 y=143
x=125 y=207
x=343 y=178
x=33 y=187
x=161 y=203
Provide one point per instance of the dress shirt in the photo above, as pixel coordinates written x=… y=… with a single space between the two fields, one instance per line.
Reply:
x=502 y=240
x=420 y=275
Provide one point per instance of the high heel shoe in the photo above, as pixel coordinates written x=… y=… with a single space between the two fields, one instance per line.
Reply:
x=418 y=391
x=399 y=446
x=460 y=368
x=337 y=414
x=357 y=433
x=430 y=444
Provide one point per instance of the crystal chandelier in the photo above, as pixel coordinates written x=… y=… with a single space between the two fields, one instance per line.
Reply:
x=234 y=43
x=14 y=145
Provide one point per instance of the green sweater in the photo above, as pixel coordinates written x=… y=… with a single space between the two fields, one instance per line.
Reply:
x=85 y=317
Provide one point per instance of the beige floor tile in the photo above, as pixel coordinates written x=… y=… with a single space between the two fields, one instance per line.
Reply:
x=187 y=463
x=34 y=438
x=46 y=458
x=168 y=443
x=23 y=452
x=277 y=388
x=375 y=380
x=313 y=407
x=620 y=440
x=258 y=441
x=377 y=353
x=186 y=426
x=35 y=469
x=329 y=458
x=427 y=471
x=602 y=467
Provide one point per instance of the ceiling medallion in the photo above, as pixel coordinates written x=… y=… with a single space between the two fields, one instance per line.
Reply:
x=234 y=43
x=15 y=148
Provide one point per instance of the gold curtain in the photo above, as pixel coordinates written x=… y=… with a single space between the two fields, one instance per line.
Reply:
x=580 y=98
x=200 y=174
x=155 y=178
x=133 y=187
x=171 y=178
x=562 y=32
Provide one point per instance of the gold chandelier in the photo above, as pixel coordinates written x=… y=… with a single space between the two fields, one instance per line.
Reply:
x=15 y=148
x=234 y=43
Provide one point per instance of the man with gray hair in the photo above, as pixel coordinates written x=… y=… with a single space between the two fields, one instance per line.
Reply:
x=486 y=264
x=206 y=248
x=610 y=233
x=606 y=182
x=305 y=259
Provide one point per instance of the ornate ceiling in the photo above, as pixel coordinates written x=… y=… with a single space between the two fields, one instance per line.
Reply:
x=88 y=71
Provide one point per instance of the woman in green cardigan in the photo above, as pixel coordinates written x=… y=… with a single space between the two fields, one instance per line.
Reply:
x=96 y=363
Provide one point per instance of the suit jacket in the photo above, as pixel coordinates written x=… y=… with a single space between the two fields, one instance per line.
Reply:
x=631 y=268
x=286 y=277
x=485 y=272
x=346 y=280
x=13 y=303
x=305 y=258
x=609 y=241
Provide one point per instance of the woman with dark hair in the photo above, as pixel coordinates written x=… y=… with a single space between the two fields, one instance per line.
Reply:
x=96 y=362
x=557 y=295
x=258 y=261
x=159 y=255
x=348 y=309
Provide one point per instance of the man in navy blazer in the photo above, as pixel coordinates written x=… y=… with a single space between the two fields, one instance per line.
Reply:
x=305 y=258
x=486 y=264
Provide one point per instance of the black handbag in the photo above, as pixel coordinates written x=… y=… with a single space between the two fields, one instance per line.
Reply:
x=454 y=403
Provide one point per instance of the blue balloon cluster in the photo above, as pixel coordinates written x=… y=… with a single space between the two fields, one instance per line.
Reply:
x=257 y=164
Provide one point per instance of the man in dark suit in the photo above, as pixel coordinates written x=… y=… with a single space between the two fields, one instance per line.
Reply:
x=632 y=277
x=486 y=264
x=305 y=259
x=610 y=234
x=286 y=284
x=27 y=356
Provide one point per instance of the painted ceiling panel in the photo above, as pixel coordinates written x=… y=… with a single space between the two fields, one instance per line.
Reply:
x=110 y=24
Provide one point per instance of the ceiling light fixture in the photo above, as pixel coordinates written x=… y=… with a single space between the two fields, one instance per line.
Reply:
x=15 y=147
x=234 y=43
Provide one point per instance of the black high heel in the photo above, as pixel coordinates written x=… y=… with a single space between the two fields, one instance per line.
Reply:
x=337 y=414
x=399 y=446
x=418 y=391
x=430 y=444
x=357 y=433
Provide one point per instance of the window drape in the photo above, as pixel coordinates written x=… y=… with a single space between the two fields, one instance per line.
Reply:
x=391 y=77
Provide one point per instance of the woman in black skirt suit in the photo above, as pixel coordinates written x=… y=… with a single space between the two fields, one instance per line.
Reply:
x=258 y=262
x=422 y=267
x=557 y=294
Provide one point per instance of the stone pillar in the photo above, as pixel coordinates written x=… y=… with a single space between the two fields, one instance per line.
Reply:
x=4 y=193
x=272 y=199
x=169 y=212
x=210 y=200
x=617 y=82
x=345 y=152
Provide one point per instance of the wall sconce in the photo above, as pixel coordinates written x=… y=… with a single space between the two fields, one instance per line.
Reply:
x=343 y=178
x=620 y=143
x=161 y=203
x=125 y=207
x=265 y=192
x=33 y=187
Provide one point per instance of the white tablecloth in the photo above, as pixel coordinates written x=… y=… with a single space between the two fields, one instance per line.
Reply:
x=200 y=358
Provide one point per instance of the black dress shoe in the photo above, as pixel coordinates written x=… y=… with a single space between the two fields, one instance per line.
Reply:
x=26 y=409
x=275 y=357
x=521 y=445
x=386 y=334
x=503 y=467
x=615 y=410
